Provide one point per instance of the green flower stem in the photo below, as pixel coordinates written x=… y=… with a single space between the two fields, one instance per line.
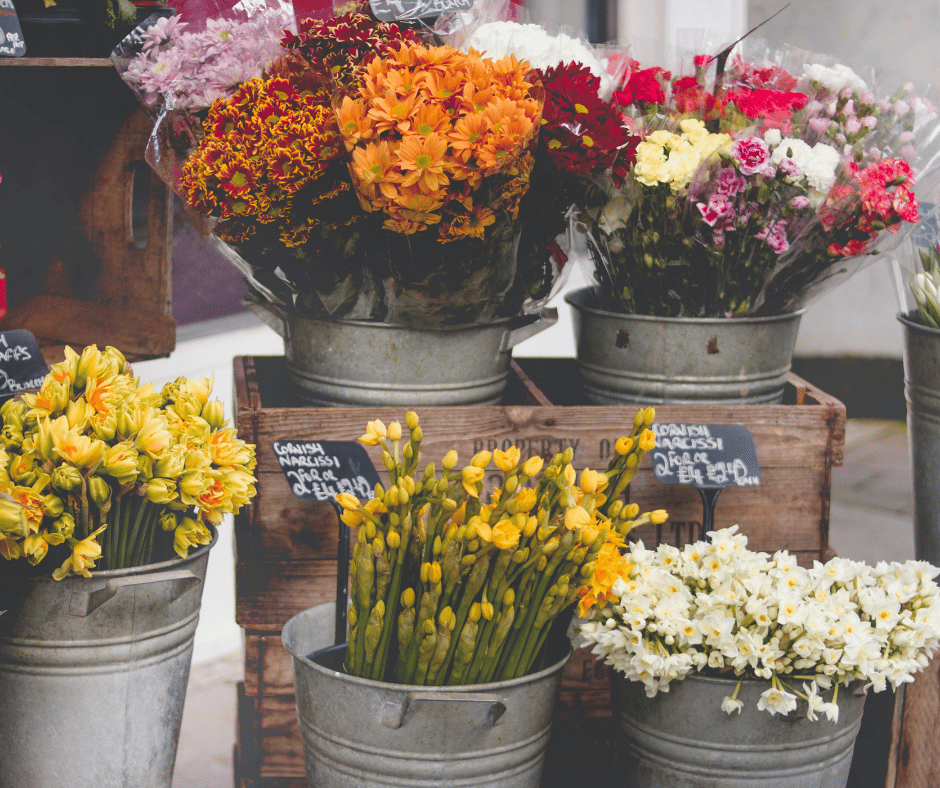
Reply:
x=114 y=531
x=365 y=575
x=471 y=588
x=392 y=599
x=136 y=533
x=496 y=646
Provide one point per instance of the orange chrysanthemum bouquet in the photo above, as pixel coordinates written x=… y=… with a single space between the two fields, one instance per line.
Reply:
x=441 y=148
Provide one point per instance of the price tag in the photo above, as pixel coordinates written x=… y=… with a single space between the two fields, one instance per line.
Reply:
x=22 y=366
x=11 y=34
x=708 y=456
x=411 y=10
x=320 y=470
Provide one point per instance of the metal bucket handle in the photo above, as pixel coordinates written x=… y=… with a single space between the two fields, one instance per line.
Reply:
x=493 y=707
x=83 y=603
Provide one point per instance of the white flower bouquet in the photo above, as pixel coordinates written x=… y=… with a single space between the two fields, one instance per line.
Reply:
x=718 y=609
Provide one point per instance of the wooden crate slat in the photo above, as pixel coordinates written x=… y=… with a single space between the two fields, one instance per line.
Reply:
x=914 y=762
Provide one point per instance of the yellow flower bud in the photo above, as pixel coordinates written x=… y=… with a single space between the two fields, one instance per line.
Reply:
x=577 y=518
x=411 y=419
x=161 y=491
x=475 y=612
x=393 y=540
x=532 y=466
x=425 y=571
x=569 y=475
x=471 y=475
x=659 y=516
x=375 y=431
x=391 y=497
x=351 y=518
x=88 y=365
x=509 y=598
x=541 y=563
x=639 y=417
x=347 y=501
x=99 y=491
x=505 y=535
x=76 y=412
x=67 y=478
x=407 y=483
x=649 y=416
x=214 y=414
x=623 y=446
x=630 y=511
x=567 y=456
x=168 y=522
x=434 y=572
x=531 y=524
x=487 y=610
x=588 y=535
x=394 y=431
x=417 y=435
x=481 y=459
x=647 y=440
x=408 y=597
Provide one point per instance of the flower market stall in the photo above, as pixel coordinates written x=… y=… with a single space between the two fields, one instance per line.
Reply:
x=453 y=567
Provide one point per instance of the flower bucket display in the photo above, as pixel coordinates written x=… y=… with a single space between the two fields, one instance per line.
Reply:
x=93 y=673
x=918 y=290
x=648 y=360
x=754 y=669
x=451 y=668
x=113 y=483
x=354 y=172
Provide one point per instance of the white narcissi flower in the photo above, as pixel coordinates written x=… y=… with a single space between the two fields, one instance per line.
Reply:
x=718 y=607
x=729 y=705
x=777 y=701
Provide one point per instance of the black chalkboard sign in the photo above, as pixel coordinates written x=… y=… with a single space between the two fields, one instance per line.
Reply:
x=708 y=456
x=22 y=366
x=320 y=470
x=11 y=34
x=410 y=10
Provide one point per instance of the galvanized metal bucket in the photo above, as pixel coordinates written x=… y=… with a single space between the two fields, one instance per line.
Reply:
x=369 y=734
x=642 y=360
x=682 y=738
x=922 y=390
x=93 y=675
x=357 y=362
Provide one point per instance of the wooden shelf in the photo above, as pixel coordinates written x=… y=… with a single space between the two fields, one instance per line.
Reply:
x=71 y=62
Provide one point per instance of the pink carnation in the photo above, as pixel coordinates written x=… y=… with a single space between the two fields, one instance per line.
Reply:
x=753 y=156
x=730 y=183
x=776 y=236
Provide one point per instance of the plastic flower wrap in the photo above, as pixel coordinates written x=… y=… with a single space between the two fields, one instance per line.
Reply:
x=449 y=589
x=754 y=189
x=916 y=266
x=100 y=471
x=718 y=609
x=441 y=149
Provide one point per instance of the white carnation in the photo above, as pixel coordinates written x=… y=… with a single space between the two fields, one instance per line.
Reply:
x=836 y=78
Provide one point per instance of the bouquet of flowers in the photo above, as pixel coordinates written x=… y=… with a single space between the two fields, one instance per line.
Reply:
x=718 y=609
x=753 y=188
x=100 y=471
x=447 y=589
x=441 y=144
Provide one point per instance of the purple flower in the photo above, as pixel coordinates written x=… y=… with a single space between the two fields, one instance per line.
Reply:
x=718 y=207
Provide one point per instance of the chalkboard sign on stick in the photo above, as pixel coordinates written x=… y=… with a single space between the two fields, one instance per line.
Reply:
x=22 y=366
x=11 y=34
x=412 y=10
x=320 y=470
x=708 y=456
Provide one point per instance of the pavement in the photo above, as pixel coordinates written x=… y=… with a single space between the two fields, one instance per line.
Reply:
x=871 y=520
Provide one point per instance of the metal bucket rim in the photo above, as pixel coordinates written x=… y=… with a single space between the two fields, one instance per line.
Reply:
x=578 y=300
x=907 y=318
x=498 y=323
x=746 y=681
x=108 y=574
x=387 y=686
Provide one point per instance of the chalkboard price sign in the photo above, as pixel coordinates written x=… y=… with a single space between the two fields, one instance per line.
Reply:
x=705 y=455
x=412 y=10
x=11 y=34
x=320 y=470
x=22 y=366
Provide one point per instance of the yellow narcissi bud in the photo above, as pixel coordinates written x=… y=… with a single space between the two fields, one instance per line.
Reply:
x=649 y=416
x=507 y=460
x=658 y=516
x=509 y=598
x=99 y=491
x=569 y=475
x=425 y=571
x=577 y=518
x=411 y=419
x=434 y=573
x=214 y=414
x=588 y=535
x=161 y=491
x=505 y=535
x=631 y=511
x=470 y=476
x=67 y=478
x=408 y=597
x=417 y=435
x=481 y=459
x=623 y=446
x=375 y=431
x=487 y=610
x=347 y=501
x=393 y=540
x=394 y=431
x=476 y=611
x=450 y=460
x=647 y=440
x=532 y=466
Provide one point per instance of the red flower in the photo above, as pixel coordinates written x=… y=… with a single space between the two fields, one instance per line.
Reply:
x=775 y=106
x=770 y=77
x=646 y=86
x=689 y=96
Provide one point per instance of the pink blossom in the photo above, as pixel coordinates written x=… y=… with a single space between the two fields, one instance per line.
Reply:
x=853 y=125
x=867 y=97
x=776 y=236
x=718 y=238
x=730 y=183
x=819 y=125
x=902 y=107
x=718 y=207
x=754 y=156
x=790 y=168
x=869 y=121
x=799 y=202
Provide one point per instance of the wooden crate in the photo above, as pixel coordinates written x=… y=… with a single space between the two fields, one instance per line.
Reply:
x=85 y=225
x=286 y=548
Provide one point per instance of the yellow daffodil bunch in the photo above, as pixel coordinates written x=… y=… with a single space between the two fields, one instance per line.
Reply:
x=101 y=471
x=449 y=589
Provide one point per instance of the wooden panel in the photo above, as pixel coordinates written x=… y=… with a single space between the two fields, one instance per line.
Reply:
x=915 y=763
x=268 y=668
x=269 y=749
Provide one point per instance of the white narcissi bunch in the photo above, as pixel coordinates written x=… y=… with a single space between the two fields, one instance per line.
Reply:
x=718 y=609
x=543 y=50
